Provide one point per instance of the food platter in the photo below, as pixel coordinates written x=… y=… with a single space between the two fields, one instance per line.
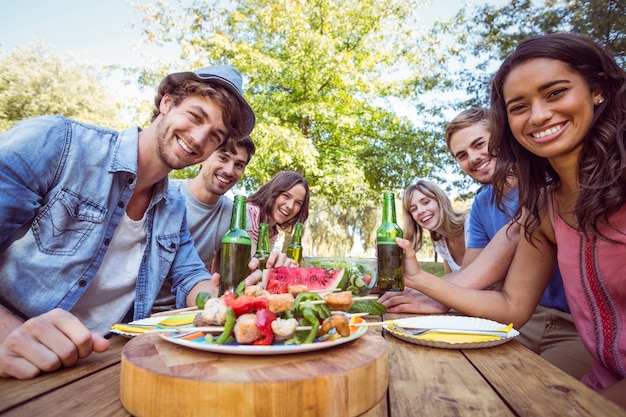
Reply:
x=195 y=340
x=457 y=322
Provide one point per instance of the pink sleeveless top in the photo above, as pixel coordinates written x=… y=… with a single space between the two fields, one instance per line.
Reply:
x=594 y=277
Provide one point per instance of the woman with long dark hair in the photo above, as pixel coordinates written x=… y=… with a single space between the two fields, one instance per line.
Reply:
x=283 y=201
x=559 y=125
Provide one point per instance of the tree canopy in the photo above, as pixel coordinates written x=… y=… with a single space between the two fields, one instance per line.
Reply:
x=34 y=82
x=319 y=75
x=354 y=94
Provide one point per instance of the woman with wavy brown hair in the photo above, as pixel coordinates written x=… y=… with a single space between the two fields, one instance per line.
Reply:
x=283 y=201
x=563 y=134
x=559 y=125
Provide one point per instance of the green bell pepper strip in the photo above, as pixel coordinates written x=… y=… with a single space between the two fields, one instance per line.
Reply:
x=201 y=299
x=310 y=318
x=240 y=288
x=228 y=327
x=303 y=300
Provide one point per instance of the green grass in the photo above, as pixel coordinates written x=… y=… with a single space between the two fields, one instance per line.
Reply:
x=435 y=268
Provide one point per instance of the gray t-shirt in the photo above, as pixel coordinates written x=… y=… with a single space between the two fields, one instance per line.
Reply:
x=207 y=223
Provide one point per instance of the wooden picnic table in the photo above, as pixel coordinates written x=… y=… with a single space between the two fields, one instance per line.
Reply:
x=506 y=380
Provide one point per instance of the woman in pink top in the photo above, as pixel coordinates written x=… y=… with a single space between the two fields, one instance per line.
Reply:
x=559 y=124
x=283 y=201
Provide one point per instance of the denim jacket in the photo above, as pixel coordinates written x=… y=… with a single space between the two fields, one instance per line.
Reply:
x=64 y=186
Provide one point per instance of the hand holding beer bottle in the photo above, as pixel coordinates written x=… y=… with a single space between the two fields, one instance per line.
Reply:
x=390 y=271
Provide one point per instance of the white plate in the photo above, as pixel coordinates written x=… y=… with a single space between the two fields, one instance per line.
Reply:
x=455 y=322
x=196 y=341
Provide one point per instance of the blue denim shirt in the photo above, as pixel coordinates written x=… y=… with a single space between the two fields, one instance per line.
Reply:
x=64 y=186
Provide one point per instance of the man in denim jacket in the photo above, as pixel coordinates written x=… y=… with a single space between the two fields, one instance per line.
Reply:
x=90 y=229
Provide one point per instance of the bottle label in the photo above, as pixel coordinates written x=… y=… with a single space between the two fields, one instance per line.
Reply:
x=233 y=266
x=390 y=270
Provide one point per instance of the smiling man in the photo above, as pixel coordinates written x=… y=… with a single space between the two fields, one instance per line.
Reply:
x=467 y=137
x=90 y=227
x=208 y=208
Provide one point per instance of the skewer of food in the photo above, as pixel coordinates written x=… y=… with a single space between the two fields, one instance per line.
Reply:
x=291 y=313
x=294 y=317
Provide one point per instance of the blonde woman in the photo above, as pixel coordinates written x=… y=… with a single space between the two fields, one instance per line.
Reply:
x=426 y=206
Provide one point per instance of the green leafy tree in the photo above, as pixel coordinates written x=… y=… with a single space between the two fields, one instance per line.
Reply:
x=321 y=76
x=475 y=41
x=35 y=82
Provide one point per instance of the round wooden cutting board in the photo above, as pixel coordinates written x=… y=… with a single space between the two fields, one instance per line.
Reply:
x=159 y=378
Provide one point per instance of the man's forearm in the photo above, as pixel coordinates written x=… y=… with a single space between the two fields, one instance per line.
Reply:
x=492 y=263
x=202 y=286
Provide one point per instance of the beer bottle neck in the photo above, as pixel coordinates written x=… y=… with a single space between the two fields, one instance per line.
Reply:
x=389 y=209
x=263 y=245
x=297 y=234
x=238 y=218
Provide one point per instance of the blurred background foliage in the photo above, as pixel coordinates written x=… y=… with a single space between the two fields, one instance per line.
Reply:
x=353 y=94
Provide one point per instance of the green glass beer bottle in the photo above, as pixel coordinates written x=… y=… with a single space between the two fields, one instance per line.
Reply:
x=294 y=250
x=390 y=271
x=236 y=248
x=263 y=246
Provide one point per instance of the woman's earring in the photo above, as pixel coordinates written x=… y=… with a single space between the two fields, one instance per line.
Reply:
x=600 y=101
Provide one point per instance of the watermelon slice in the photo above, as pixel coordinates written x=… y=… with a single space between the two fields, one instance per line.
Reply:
x=277 y=280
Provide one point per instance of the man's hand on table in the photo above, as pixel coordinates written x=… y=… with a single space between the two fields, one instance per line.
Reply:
x=411 y=301
x=45 y=343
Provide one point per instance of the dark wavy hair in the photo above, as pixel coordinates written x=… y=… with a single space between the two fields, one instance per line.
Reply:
x=181 y=85
x=265 y=196
x=246 y=142
x=602 y=164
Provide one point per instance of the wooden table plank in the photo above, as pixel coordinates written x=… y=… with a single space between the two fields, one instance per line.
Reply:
x=534 y=387
x=13 y=392
x=95 y=395
x=506 y=380
x=437 y=382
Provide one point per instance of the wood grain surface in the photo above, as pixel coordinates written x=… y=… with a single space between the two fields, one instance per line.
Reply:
x=13 y=392
x=159 y=378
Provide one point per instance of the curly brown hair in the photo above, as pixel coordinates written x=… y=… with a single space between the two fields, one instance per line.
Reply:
x=602 y=163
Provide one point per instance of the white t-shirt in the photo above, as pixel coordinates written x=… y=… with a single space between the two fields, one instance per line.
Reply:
x=112 y=292
x=441 y=247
